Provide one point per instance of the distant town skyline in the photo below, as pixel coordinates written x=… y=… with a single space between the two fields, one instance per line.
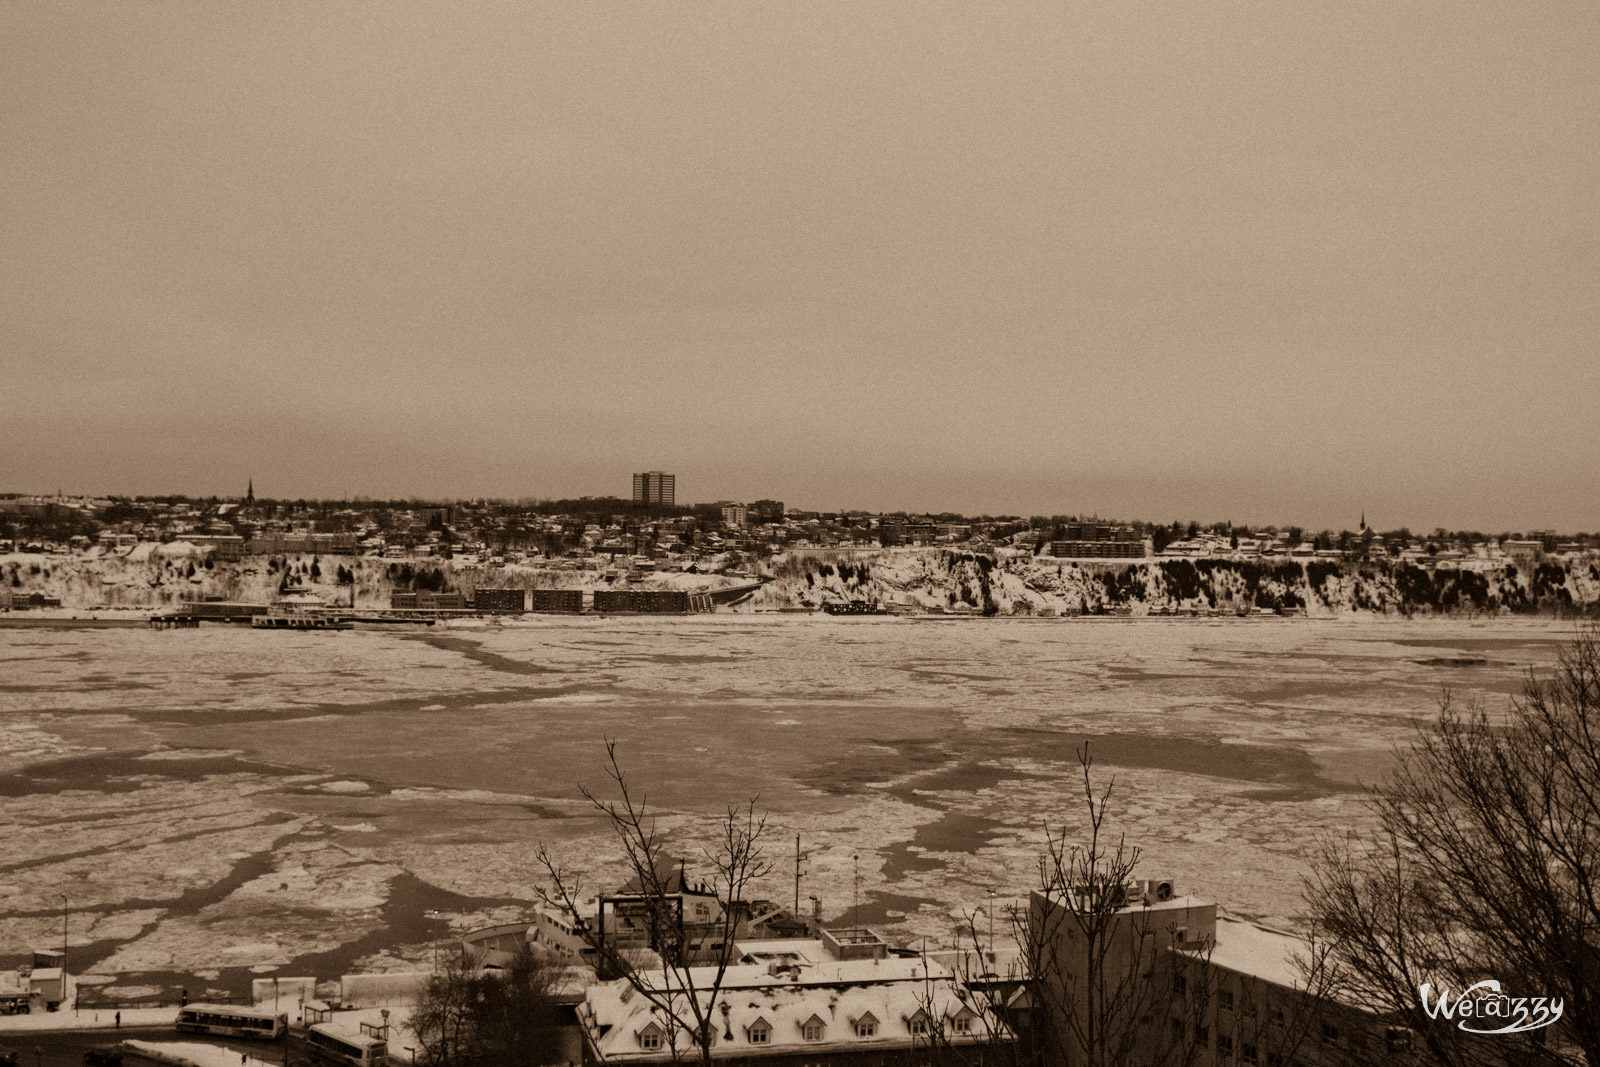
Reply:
x=1236 y=261
x=1361 y=521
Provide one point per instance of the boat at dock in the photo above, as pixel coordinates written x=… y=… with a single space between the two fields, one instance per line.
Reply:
x=301 y=611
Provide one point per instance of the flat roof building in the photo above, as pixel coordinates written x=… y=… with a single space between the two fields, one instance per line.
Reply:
x=655 y=487
x=1189 y=986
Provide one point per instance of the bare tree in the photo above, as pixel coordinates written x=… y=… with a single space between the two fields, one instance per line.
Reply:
x=469 y=1017
x=682 y=994
x=1110 y=976
x=443 y=1021
x=974 y=1029
x=1104 y=977
x=1487 y=867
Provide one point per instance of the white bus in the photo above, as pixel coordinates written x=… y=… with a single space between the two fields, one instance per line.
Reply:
x=331 y=1047
x=231 y=1020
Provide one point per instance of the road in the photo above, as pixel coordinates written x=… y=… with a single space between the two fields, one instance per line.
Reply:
x=65 y=1048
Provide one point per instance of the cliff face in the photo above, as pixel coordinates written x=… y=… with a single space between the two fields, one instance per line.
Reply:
x=161 y=575
x=156 y=576
x=1026 y=585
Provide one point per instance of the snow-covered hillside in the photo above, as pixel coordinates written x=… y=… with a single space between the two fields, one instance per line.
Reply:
x=950 y=581
x=156 y=575
x=1020 y=584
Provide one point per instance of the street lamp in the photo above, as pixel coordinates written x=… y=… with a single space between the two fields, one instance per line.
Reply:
x=411 y=1050
x=433 y=913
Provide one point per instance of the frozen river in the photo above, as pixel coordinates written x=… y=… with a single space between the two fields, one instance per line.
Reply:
x=222 y=802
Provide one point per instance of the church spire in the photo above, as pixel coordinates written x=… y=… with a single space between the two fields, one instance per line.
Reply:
x=250 y=493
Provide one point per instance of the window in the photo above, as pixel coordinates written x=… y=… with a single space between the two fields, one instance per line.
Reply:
x=918 y=1026
x=812 y=1030
x=866 y=1026
x=759 y=1033
x=961 y=1024
x=1330 y=1034
x=1276 y=1015
x=1248 y=1054
x=650 y=1040
x=1225 y=999
x=1180 y=985
x=1202 y=1036
x=1224 y=1045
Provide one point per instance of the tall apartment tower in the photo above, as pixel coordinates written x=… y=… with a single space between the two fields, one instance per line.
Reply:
x=654 y=487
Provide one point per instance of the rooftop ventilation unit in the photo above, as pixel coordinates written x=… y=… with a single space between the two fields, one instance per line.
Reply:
x=1157 y=891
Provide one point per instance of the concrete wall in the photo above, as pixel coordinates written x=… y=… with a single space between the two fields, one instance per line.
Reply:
x=382 y=990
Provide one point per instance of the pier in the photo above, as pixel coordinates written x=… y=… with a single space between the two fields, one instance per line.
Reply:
x=174 y=621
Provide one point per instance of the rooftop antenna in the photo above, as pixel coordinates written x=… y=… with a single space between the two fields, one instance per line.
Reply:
x=797 y=873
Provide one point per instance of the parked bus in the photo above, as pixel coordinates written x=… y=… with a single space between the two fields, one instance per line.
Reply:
x=331 y=1047
x=230 y=1020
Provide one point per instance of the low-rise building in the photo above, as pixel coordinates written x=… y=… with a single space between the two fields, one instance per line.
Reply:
x=1190 y=986
x=425 y=601
x=1526 y=551
x=224 y=547
x=555 y=600
x=322 y=544
x=500 y=601
x=651 y=601
x=792 y=1003
x=1121 y=549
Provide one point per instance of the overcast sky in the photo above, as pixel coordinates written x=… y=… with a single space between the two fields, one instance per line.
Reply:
x=1261 y=261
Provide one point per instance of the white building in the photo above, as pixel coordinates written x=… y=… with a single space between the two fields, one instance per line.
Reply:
x=792 y=999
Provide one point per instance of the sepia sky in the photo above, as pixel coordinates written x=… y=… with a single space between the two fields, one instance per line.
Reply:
x=1261 y=261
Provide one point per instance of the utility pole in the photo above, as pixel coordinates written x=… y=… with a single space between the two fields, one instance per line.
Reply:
x=855 y=894
x=63 y=948
x=797 y=876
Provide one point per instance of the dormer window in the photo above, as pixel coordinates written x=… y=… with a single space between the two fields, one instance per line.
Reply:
x=811 y=1029
x=867 y=1026
x=650 y=1038
x=759 y=1032
x=918 y=1024
x=961 y=1024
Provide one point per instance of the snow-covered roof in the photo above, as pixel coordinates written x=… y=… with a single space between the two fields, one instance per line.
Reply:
x=862 y=1004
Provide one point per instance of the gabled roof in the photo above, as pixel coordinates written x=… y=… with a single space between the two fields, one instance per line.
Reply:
x=834 y=995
